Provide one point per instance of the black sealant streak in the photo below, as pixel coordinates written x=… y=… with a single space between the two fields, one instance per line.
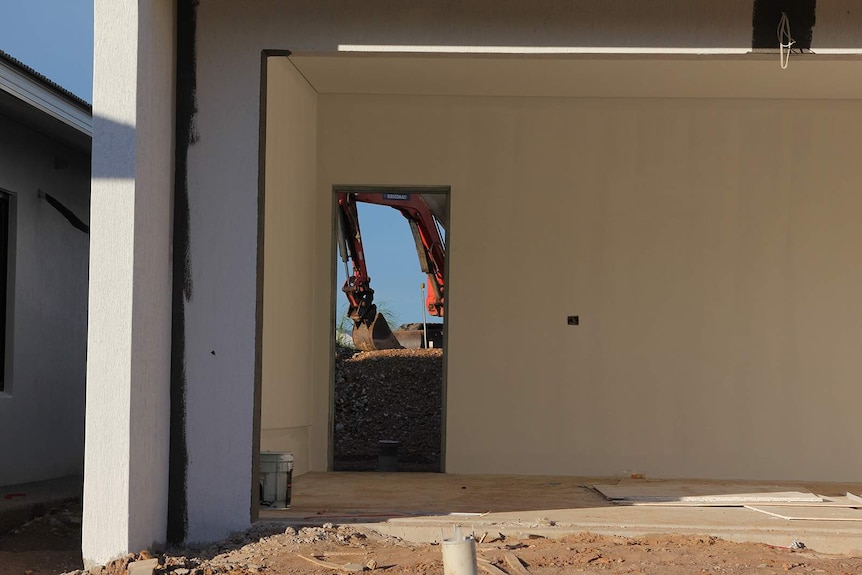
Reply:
x=67 y=213
x=767 y=14
x=186 y=135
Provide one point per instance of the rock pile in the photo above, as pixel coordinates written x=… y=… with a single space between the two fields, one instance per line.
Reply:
x=388 y=395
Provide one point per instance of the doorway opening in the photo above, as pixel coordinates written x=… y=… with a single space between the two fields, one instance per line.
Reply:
x=388 y=329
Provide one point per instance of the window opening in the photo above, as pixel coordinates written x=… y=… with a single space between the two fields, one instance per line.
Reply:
x=4 y=276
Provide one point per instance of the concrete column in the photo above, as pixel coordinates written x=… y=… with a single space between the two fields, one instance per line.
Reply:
x=128 y=363
x=220 y=313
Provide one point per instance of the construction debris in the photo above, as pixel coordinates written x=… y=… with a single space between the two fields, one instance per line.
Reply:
x=491 y=568
x=712 y=493
x=347 y=567
x=791 y=512
x=269 y=549
x=388 y=395
x=517 y=568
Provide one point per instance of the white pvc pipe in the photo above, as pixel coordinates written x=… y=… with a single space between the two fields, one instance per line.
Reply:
x=424 y=317
x=459 y=556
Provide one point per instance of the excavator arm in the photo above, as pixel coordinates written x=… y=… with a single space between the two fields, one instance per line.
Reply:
x=371 y=331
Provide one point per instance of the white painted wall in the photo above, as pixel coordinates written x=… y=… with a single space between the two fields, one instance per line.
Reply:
x=128 y=368
x=42 y=406
x=289 y=290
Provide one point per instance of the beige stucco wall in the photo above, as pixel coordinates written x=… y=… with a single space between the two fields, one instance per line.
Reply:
x=223 y=174
x=128 y=362
x=708 y=246
x=289 y=292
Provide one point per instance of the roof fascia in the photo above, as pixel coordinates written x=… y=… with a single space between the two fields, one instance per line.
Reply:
x=43 y=99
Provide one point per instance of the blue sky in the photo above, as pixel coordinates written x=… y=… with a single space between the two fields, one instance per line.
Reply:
x=393 y=265
x=55 y=37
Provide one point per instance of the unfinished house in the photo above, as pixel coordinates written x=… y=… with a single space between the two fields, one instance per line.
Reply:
x=45 y=136
x=653 y=218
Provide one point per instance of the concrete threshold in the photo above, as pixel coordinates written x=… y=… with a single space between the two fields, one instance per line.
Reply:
x=425 y=508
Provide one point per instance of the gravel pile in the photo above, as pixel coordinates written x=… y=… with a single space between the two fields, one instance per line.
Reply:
x=388 y=395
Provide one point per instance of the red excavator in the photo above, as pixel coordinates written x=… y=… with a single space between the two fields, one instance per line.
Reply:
x=425 y=213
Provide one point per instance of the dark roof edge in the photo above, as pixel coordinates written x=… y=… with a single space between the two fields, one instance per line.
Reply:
x=45 y=81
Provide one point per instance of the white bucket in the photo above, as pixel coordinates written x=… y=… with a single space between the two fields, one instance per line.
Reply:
x=276 y=476
x=459 y=556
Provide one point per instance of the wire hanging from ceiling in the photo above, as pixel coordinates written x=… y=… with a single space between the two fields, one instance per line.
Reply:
x=785 y=40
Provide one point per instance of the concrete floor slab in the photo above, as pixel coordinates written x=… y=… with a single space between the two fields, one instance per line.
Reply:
x=426 y=507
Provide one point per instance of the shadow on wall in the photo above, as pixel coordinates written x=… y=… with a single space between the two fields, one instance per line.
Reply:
x=628 y=25
x=113 y=149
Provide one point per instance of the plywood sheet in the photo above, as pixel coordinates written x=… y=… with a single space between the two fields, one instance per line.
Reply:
x=824 y=501
x=809 y=513
x=713 y=493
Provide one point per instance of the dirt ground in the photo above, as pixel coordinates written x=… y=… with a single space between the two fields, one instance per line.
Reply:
x=50 y=545
x=289 y=553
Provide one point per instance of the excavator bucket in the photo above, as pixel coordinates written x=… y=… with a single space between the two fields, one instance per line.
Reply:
x=374 y=336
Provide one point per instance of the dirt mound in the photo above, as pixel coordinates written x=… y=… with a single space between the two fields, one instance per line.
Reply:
x=388 y=395
x=269 y=549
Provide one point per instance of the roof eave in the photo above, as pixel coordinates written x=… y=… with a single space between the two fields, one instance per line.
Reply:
x=45 y=99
